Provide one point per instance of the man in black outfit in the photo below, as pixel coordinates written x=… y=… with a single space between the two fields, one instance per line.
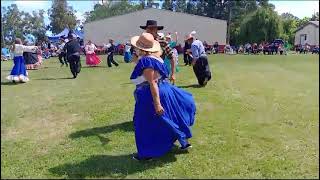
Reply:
x=186 y=57
x=72 y=48
x=62 y=54
x=110 y=52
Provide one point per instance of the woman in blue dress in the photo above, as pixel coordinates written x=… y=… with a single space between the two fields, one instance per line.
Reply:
x=127 y=53
x=19 y=72
x=163 y=113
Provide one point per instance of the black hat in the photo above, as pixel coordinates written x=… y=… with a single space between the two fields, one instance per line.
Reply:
x=151 y=23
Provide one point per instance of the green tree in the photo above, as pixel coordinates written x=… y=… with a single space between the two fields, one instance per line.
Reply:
x=167 y=5
x=200 y=6
x=11 y=24
x=181 y=6
x=315 y=17
x=191 y=7
x=303 y=21
x=289 y=24
x=61 y=16
x=105 y=11
x=15 y=23
x=149 y=3
x=262 y=25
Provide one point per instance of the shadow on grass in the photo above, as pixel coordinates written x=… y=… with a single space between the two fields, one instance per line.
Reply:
x=191 y=86
x=111 y=166
x=119 y=166
x=125 y=126
x=93 y=67
x=42 y=79
x=9 y=83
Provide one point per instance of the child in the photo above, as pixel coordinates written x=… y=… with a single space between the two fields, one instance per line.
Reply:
x=127 y=54
x=19 y=72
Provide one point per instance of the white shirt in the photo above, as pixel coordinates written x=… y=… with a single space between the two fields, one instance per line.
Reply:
x=90 y=48
x=19 y=49
x=127 y=48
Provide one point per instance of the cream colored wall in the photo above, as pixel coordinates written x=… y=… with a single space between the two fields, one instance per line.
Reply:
x=122 y=28
x=312 y=35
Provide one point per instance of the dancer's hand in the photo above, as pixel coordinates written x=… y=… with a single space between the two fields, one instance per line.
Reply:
x=172 y=78
x=159 y=109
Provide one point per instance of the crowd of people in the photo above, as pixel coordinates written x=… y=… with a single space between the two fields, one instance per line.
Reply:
x=163 y=112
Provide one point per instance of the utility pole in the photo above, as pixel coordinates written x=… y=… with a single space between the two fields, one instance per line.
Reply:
x=229 y=22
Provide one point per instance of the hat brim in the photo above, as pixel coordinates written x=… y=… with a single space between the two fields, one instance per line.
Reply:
x=158 y=27
x=189 y=37
x=156 y=45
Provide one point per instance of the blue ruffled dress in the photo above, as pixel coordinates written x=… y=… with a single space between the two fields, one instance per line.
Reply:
x=155 y=135
x=19 y=71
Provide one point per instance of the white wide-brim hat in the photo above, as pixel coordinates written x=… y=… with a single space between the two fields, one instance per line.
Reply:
x=146 y=42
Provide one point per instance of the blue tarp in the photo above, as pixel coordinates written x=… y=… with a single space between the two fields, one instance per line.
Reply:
x=64 y=33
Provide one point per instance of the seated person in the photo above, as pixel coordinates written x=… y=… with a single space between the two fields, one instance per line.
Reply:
x=281 y=49
x=240 y=49
x=315 y=50
x=260 y=48
x=248 y=48
x=215 y=48
x=255 y=48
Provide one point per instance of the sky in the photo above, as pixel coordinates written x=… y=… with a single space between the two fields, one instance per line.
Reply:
x=298 y=8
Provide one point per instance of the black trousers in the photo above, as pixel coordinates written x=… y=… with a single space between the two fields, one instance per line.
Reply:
x=63 y=55
x=111 y=60
x=75 y=66
x=202 y=70
x=187 y=59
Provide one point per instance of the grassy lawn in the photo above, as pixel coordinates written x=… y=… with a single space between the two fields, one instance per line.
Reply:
x=257 y=118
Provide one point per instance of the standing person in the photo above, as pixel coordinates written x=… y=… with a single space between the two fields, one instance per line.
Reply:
x=199 y=61
x=39 y=54
x=30 y=58
x=286 y=47
x=19 y=72
x=163 y=113
x=172 y=44
x=73 y=49
x=91 y=58
x=152 y=28
x=186 y=57
x=127 y=53
x=110 y=49
x=62 y=53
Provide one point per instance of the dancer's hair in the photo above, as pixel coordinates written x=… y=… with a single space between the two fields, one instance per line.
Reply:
x=16 y=41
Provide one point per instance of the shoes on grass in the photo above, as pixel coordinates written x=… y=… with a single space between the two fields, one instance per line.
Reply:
x=186 y=147
x=137 y=158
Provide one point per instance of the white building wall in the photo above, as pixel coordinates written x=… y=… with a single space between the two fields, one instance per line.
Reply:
x=122 y=28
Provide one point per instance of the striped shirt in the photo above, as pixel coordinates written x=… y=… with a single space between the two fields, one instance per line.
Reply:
x=167 y=50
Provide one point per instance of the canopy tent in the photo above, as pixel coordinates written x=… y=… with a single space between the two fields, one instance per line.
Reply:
x=65 y=33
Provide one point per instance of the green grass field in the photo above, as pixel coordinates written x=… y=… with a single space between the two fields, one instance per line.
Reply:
x=257 y=118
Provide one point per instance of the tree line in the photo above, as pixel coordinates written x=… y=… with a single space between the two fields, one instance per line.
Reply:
x=248 y=20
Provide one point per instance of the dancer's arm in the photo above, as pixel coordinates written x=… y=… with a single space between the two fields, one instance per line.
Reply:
x=149 y=74
x=30 y=48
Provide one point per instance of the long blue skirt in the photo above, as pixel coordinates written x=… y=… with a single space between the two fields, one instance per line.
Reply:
x=18 y=72
x=127 y=57
x=155 y=135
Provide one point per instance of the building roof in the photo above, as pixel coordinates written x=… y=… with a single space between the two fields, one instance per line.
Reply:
x=155 y=9
x=315 y=23
x=123 y=27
